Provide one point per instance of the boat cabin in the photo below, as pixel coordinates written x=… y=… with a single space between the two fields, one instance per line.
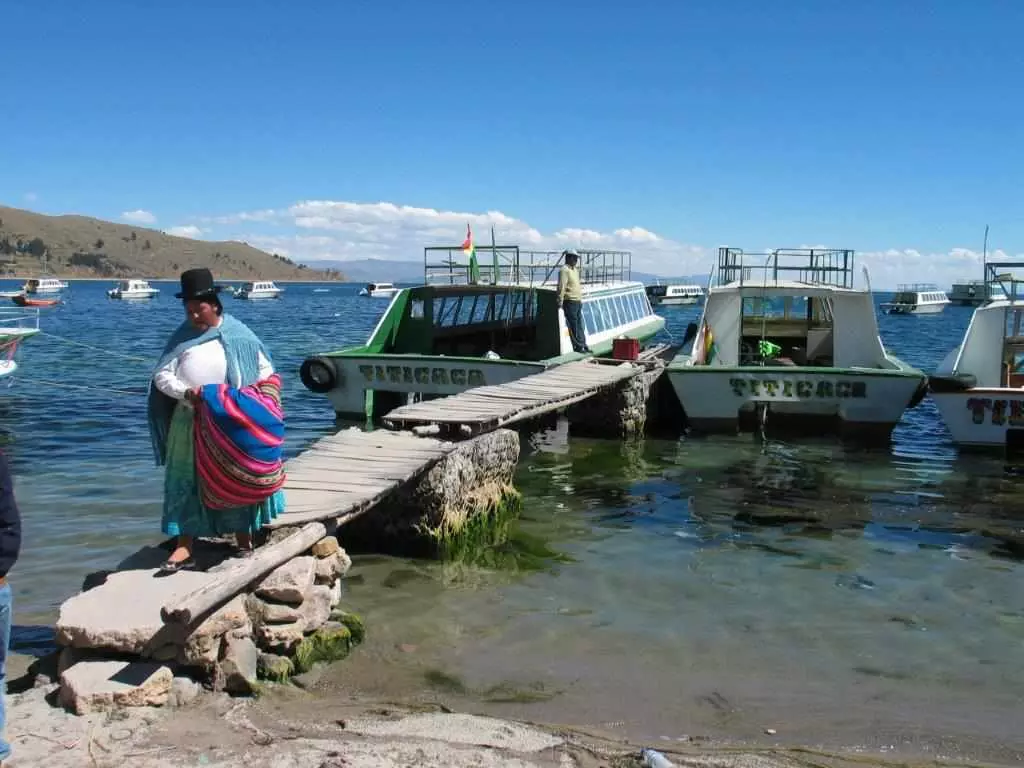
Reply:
x=674 y=294
x=372 y=287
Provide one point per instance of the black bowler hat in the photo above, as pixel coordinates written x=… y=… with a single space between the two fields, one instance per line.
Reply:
x=197 y=284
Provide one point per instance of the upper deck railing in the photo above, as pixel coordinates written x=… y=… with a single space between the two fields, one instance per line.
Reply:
x=814 y=266
x=508 y=265
x=1001 y=274
x=916 y=287
x=19 y=318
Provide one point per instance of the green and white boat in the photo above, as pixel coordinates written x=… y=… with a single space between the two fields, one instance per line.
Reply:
x=476 y=323
x=786 y=339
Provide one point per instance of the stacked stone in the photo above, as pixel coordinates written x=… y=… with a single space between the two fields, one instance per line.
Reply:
x=621 y=411
x=286 y=623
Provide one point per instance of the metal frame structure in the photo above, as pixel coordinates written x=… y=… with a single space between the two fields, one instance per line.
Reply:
x=508 y=265
x=814 y=266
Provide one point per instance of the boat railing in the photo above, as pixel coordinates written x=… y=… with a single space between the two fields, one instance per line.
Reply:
x=1001 y=274
x=916 y=287
x=19 y=317
x=814 y=266
x=508 y=264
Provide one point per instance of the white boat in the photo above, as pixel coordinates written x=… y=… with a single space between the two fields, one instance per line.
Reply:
x=465 y=328
x=916 y=299
x=16 y=325
x=674 y=294
x=41 y=285
x=379 y=290
x=973 y=293
x=133 y=289
x=979 y=386
x=261 y=289
x=785 y=339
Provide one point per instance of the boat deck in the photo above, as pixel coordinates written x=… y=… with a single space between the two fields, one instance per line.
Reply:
x=483 y=409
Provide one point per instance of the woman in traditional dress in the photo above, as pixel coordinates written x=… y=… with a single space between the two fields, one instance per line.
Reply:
x=210 y=347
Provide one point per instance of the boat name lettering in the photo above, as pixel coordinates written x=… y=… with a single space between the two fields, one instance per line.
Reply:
x=1003 y=411
x=761 y=387
x=422 y=374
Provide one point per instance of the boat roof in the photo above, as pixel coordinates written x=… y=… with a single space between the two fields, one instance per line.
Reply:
x=782 y=288
x=587 y=288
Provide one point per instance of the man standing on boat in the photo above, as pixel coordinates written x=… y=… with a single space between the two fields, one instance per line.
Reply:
x=570 y=299
x=10 y=546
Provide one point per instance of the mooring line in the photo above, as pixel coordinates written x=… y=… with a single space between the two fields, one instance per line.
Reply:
x=106 y=390
x=134 y=358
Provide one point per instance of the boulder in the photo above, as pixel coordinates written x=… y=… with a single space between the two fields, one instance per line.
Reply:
x=89 y=686
x=262 y=612
x=184 y=690
x=202 y=647
x=280 y=637
x=316 y=608
x=326 y=546
x=331 y=568
x=290 y=582
x=276 y=668
x=238 y=663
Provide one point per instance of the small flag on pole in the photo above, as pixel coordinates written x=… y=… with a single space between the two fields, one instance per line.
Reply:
x=470 y=250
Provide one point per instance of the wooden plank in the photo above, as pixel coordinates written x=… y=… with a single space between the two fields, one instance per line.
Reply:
x=232 y=581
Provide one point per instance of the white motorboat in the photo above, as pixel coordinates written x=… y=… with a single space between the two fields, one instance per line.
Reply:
x=261 y=289
x=916 y=299
x=133 y=289
x=973 y=293
x=16 y=325
x=379 y=290
x=670 y=295
x=42 y=285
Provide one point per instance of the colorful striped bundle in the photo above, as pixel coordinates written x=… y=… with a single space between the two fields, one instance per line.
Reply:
x=239 y=434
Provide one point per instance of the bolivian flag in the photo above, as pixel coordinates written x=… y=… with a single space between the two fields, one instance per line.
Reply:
x=470 y=250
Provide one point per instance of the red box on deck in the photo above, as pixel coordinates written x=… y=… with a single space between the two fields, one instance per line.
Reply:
x=626 y=349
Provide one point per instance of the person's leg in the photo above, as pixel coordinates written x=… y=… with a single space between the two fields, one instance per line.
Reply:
x=573 y=315
x=244 y=542
x=580 y=328
x=183 y=551
x=5 y=641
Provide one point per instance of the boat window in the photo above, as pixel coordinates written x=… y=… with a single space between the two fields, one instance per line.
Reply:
x=500 y=300
x=588 y=317
x=601 y=313
x=638 y=302
x=416 y=308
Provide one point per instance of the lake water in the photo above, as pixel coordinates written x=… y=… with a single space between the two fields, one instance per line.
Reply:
x=711 y=587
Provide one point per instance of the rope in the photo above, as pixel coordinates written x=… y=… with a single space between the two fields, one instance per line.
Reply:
x=61 y=385
x=134 y=358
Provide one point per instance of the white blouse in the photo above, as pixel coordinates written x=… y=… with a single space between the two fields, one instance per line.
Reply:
x=197 y=366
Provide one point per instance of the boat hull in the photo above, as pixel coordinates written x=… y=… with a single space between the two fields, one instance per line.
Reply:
x=132 y=296
x=920 y=309
x=830 y=400
x=982 y=416
x=677 y=301
x=256 y=295
x=378 y=294
x=351 y=376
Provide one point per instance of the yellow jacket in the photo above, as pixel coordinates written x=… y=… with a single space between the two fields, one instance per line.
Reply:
x=569 y=284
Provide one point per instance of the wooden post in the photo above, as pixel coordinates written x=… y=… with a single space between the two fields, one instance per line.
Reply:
x=234 y=580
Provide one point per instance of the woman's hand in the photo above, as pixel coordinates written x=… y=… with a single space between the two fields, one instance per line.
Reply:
x=194 y=395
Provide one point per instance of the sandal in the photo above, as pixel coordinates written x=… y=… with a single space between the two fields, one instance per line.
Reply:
x=173 y=566
x=243 y=551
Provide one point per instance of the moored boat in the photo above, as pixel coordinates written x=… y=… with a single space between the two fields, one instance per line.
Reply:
x=27 y=301
x=979 y=386
x=673 y=295
x=378 y=290
x=16 y=325
x=44 y=285
x=973 y=293
x=916 y=299
x=133 y=289
x=261 y=289
x=786 y=339
x=469 y=325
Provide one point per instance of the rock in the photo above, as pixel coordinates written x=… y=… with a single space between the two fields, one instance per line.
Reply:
x=280 y=637
x=202 y=648
x=352 y=621
x=316 y=608
x=330 y=569
x=270 y=666
x=335 y=593
x=262 y=612
x=184 y=690
x=134 y=625
x=309 y=679
x=290 y=582
x=238 y=663
x=326 y=547
x=95 y=579
x=68 y=658
x=331 y=642
x=89 y=686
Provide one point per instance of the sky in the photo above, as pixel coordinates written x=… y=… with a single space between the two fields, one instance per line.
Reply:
x=344 y=130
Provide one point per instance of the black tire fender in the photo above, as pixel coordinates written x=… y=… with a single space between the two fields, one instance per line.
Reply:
x=319 y=375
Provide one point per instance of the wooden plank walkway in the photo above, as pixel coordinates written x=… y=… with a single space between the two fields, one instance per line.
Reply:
x=483 y=409
x=343 y=475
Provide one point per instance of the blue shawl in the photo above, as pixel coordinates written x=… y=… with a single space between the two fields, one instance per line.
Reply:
x=241 y=347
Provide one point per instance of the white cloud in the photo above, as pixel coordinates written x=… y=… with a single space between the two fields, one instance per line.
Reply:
x=189 y=230
x=31 y=197
x=139 y=216
x=318 y=230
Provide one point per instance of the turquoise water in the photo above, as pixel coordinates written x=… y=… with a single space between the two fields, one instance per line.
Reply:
x=713 y=587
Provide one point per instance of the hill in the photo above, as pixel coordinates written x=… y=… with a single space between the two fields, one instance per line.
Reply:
x=82 y=247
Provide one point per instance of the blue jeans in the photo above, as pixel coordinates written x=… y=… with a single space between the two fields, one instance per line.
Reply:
x=574 y=320
x=5 y=641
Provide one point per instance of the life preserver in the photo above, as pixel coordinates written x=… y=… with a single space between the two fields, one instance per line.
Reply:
x=318 y=375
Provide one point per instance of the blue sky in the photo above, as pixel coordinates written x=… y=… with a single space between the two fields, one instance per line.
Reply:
x=357 y=129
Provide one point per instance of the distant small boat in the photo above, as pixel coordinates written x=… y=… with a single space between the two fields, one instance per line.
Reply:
x=379 y=290
x=24 y=301
x=264 y=289
x=133 y=289
x=44 y=285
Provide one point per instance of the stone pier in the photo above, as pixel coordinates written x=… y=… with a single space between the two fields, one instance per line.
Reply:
x=620 y=410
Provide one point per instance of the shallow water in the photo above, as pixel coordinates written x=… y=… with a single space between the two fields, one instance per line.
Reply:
x=712 y=587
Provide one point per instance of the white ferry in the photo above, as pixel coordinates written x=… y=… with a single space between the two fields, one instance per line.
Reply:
x=916 y=299
x=262 y=289
x=40 y=285
x=16 y=325
x=469 y=327
x=979 y=386
x=133 y=289
x=973 y=293
x=674 y=294
x=786 y=340
x=379 y=290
